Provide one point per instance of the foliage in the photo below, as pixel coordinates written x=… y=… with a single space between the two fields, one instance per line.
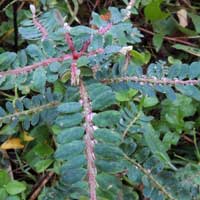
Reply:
x=81 y=105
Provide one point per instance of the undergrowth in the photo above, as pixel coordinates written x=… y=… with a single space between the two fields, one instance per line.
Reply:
x=78 y=109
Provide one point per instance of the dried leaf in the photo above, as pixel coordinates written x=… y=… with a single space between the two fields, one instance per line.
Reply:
x=27 y=137
x=106 y=16
x=12 y=143
x=182 y=16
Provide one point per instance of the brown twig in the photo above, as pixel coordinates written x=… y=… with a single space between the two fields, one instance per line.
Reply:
x=174 y=39
x=37 y=191
x=188 y=139
x=97 y=4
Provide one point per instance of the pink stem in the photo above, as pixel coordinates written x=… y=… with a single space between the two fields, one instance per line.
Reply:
x=85 y=47
x=105 y=29
x=89 y=141
x=75 y=72
x=70 y=42
x=97 y=51
x=40 y=27
x=30 y=68
x=153 y=80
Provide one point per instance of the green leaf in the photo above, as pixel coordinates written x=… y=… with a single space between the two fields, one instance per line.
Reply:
x=78 y=30
x=189 y=90
x=140 y=58
x=70 y=107
x=69 y=120
x=153 y=12
x=149 y=102
x=158 y=41
x=73 y=175
x=111 y=166
x=70 y=134
x=15 y=187
x=39 y=79
x=108 y=152
x=107 y=136
x=196 y=21
x=109 y=183
x=42 y=165
x=49 y=47
x=103 y=100
x=76 y=162
x=125 y=95
x=106 y=118
x=82 y=61
x=54 y=67
x=3 y=194
x=43 y=150
x=188 y=49
x=13 y=198
x=4 y=177
x=69 y=150
x=194 y=70
x=170 y=139
x=34 y=52
x=96 y=20
x=175 y=111
x=116 y=16
x=6 y=59
x=155 y=144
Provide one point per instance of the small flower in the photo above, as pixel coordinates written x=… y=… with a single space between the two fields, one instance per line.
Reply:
x=125 y=50
x=32 y=8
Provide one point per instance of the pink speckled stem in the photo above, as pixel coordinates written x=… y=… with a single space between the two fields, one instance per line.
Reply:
x=105 y=29
x=153 y=80
x=70 y=42
x=40 y=27
x=89 y=141
x=30 y=68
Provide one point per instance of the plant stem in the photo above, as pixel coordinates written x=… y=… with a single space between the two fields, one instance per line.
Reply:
x=89 y=140
x=152 y=80
x=131 y=124
x=151 y=178
x=30 y=111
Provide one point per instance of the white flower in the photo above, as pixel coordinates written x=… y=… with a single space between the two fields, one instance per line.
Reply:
x=32 y=8
x=125 y=50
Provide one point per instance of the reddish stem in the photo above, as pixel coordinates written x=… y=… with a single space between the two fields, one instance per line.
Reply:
x=30 y=68
x=105 y=29
x=75 y=72
x=70 y=42
x=89 y=141
x=40 y=27
x=85 y=47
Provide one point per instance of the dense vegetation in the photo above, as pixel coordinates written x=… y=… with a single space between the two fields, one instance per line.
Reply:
x=99 y=100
